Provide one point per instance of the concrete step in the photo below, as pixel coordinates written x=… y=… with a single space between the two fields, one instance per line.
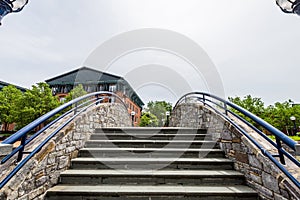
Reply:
x=159 y=136
x=152 y=177
x=151 y=144
x=137 y=192
x=152 y=163
x=151 y=152
x=151 y=130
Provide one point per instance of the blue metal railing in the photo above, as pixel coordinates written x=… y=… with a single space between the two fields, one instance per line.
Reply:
x=84 y=102
x=209 y=100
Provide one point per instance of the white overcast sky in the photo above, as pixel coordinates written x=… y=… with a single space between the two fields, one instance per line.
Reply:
x=251 y=42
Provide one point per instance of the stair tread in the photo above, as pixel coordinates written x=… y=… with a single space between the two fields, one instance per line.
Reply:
x=161 y=189
x=158 y=134
x=193 y=173
x=130 y=159
x=149 y=149
x=152 y=141
x=150 y=128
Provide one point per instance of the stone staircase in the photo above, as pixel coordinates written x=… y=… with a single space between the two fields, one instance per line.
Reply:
x=151 y=164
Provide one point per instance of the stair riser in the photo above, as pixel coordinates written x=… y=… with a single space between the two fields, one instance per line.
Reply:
x=149 y=145
x=147 y=166
x=56 y=196
x=151 y=180
x=145 y=137
x=151 y=155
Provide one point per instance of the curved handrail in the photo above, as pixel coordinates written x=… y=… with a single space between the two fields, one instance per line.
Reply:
x=205 y=97
x=22 y=134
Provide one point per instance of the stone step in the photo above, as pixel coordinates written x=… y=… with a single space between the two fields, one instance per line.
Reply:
x=151 y=144
x=151 y=152
x=161 y=192
x=152 y=130
x=152 y=163
x=152 y=177
x=159 y=136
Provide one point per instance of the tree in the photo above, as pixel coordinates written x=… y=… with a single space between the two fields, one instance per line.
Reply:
x=159 y=109
x=35 y=103
x=252 y=104
x=278 y=115
x=148 y=119
x=10 y=97
x=76 y=92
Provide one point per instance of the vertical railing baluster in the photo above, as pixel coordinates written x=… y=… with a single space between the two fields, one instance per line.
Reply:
x=21 y=151
x=279 y=146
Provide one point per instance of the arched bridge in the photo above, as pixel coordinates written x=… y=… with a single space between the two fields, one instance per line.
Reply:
x=91 y=152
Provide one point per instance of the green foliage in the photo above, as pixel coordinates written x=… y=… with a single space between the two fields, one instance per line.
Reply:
x=10 y=97
x=277 y=115
x=252 y=104
x=76 y=92
x=159 y=109
x=148 y=119
x=35 y=103
x=23 y=108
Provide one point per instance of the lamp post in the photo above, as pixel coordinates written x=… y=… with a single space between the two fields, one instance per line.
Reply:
x=293 y=119
x=132 y=117
x=10 y=6
x=168 y=116
x=289 y=6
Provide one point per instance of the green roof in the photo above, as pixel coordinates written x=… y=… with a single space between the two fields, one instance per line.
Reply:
x=82 y=76
x=4 y=84
x=85 y=75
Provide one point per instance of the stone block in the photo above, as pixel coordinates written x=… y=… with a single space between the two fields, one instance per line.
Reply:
x=279 y=197
x=263 y=192
x=36 y=192
x=270 y=182
x=294 y=192
x=61 y=146
x=63 y=162
x=241 y=157
x=41 y=181
x=52 y=158
x=226 y=135
x=45 y=151
x=254 y=162
x=13 y=195
x=5 y=149
x=25 y=197
x=284 y=194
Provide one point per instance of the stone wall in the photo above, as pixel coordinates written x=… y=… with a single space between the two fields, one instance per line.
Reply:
x=43 y=170
x=261 y=174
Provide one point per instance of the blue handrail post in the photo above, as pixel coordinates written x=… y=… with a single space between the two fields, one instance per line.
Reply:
x=97 y=99
x=225 y=108
x=204 y=99
x=21 y=151
x=75 y=111
x=279 y=146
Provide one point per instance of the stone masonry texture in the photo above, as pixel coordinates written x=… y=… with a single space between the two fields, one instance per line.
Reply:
x=42 y=171
x=261 y=173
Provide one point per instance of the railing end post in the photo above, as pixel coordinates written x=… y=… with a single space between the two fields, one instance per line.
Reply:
x=297 y=149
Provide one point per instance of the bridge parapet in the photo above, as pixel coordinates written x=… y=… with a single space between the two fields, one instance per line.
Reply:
x=43 y=170
x=261 y=173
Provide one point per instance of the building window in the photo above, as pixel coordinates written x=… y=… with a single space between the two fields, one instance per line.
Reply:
x=113 y=88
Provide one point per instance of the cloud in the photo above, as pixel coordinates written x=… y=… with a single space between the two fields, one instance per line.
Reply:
x=252 y=43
